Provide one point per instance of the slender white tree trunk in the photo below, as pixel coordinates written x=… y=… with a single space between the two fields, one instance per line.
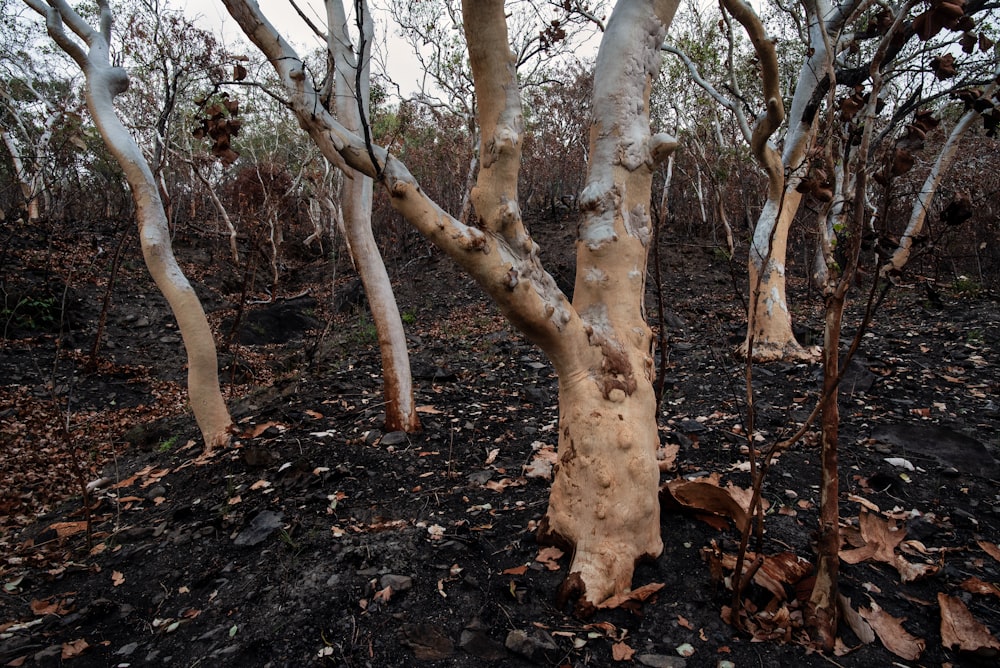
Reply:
x=918 y=215
x=104 y=82
x=356 y=202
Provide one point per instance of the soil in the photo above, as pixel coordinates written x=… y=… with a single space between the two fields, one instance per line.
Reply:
x=317 y=539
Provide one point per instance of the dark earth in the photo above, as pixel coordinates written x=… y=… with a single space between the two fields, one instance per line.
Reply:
x=317 y=539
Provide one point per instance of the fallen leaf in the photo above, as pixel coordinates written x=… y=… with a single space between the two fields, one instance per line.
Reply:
x=861 y=628
x=960 y=629
x=71 y=650
x=549 y=557
x=117 y=578
x=382 y=595
x=707 y=496
x=622 y=652
x=516 y=570
x=64 y=529
x=976 y=586
x=313 y=414
x=428 y=410
x=259 y=429
x=638 y=595
x=989 y=548
x=890 y=631
x=682 y=621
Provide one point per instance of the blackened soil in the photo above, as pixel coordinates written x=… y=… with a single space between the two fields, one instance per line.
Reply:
x=317 y=539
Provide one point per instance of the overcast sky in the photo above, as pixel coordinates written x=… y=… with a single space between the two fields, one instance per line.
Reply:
x=214 y=17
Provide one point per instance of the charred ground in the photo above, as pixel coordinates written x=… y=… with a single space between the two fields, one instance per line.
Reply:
x=320 y=540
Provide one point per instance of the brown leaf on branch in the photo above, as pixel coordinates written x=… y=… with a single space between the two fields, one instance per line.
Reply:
x=706 y=496
x=959 y=629
x=890 y=631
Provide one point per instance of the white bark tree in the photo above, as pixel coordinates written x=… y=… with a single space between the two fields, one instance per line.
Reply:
x=90 y=48
x=352 y=77
x=604 y=503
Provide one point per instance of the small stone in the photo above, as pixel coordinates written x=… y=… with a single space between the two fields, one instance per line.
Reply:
x=127 y=650
x=262 y=526
x=394 y=438
x=661 y=661
x=532 y=646
x=397 y=582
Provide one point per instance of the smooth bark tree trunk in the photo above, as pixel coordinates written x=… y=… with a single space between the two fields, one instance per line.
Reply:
x=356 y=203
x=604 y=504
x=922 y=205
x=769 y=321
x=104 y=82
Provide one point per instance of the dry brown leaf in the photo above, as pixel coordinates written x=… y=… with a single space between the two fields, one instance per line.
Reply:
x=666 y=457
x=857 y=623
x=427 y=410
x=313 y=414
x=977 y=586
x=549 y=557
x=71 y=650
x=990 y=549
x=881 y=538
x=516 y=570
x=117 y=578
x=259 y=429
x=49 y=607
x=382 y=595
x=705 y=495
x=638 y=595
x=892 y=634
x=622 y=652
x=682 y=621
x=64 y=529
x=960 y=629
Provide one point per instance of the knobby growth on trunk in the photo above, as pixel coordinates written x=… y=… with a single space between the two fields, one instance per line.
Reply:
x=604 y=502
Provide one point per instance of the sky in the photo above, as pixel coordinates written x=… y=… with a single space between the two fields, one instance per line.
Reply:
x=213 y=16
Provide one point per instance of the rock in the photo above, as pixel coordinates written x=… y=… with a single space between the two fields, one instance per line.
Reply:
x=426 y=641
x=661 y=661
x=127 y=650
x=50 y=656
x=533 y=646
x=951 y=448
x=394 y=438
x=397 y=582
x=480 y=645
x=262 y=526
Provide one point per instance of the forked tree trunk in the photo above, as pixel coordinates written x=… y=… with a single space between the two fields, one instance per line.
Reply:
x=769 y=322
x=104 y=82
x=604 y=503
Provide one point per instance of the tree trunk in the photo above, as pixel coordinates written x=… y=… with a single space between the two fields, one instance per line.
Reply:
x=356 y=203
x=769 y=322
x=104 y=82
x=604 y=503
x=822 y=606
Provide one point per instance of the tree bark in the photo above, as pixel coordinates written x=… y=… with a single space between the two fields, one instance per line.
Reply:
x=769 y=322
x=104 y=82
x=604 y=503
x=356 y=203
